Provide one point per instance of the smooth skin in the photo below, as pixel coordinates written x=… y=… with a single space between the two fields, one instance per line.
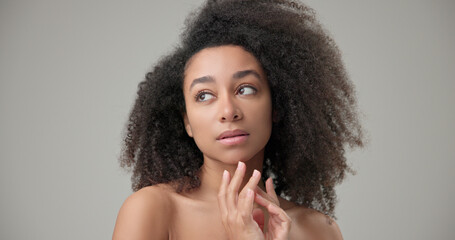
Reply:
x=225 y=88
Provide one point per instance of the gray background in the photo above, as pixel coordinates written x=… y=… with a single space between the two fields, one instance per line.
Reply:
x=69 y=72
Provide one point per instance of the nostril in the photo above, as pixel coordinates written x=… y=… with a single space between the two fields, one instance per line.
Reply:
x=229 y=117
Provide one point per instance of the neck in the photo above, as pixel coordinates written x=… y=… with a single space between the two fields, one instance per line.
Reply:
x=212 y=171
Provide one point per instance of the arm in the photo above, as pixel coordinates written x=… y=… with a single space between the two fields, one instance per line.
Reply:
x=144 y=215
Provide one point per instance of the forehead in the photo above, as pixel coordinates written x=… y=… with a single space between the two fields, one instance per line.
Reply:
x=219 y=61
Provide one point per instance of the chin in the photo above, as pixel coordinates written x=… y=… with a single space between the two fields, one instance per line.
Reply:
x=233 y=157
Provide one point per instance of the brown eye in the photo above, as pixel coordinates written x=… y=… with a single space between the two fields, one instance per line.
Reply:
x=247 y=90
x=203 y=96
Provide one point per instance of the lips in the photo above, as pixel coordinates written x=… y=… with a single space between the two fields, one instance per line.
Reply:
x=232 y=134
x=233 y=138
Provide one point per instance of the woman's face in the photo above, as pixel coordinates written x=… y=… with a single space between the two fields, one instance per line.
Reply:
x=228 y=104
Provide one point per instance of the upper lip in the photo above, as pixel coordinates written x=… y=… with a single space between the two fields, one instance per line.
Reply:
x=231 y=133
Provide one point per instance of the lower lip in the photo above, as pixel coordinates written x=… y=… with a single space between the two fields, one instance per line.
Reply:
x=233 y=140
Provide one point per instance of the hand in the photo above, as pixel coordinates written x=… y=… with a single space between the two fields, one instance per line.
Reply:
x=237 y=208
x=279 y=223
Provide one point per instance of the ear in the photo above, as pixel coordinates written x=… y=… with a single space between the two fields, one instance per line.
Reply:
x=187 y=125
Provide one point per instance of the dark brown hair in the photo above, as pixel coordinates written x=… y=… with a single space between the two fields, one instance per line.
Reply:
x=311 y=94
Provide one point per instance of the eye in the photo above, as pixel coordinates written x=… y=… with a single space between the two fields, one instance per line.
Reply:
x=247 y=90
x=203 y=96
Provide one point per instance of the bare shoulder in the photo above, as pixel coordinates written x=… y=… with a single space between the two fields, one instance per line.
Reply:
x=312 y=224
x=145 y=214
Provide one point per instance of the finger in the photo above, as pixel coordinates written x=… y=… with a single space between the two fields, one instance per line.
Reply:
x=233 y=187
x=279 y=220
x=245 y=206
x=277 y=215
x=265 y=195
x=271 y=189
x=245 y=203
x=262 y=201
x=274 y=210
x=279 y=229
x=252 y=182
x=269 y=205
x=222 y=195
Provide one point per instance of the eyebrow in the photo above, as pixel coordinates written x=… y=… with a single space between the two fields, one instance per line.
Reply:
x=241 y=74
x=237 y=75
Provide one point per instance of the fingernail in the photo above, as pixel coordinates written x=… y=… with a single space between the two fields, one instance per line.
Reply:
x=225 y=173
x=239 y=165
x=255 y=173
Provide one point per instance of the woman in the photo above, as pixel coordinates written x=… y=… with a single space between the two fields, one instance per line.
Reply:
x=240 y=133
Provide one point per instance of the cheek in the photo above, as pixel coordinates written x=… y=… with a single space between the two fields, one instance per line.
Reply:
x=200 y=124
x=263 y=117
x=266 y=110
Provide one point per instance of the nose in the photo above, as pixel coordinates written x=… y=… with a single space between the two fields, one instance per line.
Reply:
x=229 y=110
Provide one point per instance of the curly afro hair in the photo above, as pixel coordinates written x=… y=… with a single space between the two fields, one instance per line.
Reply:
x=312 y=97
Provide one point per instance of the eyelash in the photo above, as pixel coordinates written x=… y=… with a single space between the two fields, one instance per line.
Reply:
x=200 y=93
x=247 y=85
